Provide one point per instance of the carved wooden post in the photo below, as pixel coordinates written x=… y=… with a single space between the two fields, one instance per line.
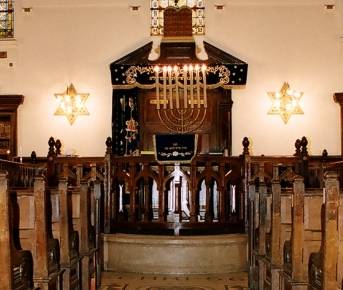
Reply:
x=65 y=219
x=297 y=235
x=51 y=158
x=222 y=194
x=6 y=237
x=147 y=198
x=338 y=98
x=193 y=194
x=108 y=187
x=161 y=195
x=85 y=246
x=97 y=194
x=252 y=230
x=276 y=247
x=330 y=242
x=40 y=259
x=68 y=239
x=209 y=200
x=132 y=190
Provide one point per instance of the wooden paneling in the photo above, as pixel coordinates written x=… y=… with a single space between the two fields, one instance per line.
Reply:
x=214 y=134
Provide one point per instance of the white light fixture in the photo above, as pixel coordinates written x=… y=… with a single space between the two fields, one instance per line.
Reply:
x=285 y=103
x=71 y=104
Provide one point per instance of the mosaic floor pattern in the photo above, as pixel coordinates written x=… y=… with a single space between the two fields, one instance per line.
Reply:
x=126 y=281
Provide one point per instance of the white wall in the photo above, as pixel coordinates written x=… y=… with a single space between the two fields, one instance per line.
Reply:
x=63 y=41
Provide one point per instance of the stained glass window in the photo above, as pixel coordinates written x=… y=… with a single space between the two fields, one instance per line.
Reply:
x=6 y=18
x=157 y=14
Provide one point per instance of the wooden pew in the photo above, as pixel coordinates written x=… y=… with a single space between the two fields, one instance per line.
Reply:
x=16 y=266
x=81 y=260
x=63 y=230
x=271 y=218
x=279 y=231
x=325 y=266
x=305 y=236
x=36 y=234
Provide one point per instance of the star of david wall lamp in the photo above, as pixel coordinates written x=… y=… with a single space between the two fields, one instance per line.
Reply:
x=71 y=104
x=285 y=103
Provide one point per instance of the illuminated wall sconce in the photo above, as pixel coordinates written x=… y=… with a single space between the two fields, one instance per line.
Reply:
x=71 y=104
x=285 y=103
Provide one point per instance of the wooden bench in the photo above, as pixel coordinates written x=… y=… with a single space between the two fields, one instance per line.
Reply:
x=16 y=267
x=305 y=236
x=36 y=234
x=326 y=266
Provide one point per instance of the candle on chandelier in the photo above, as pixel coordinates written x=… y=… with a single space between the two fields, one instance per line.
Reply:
x=171 y=106
x=157 y=71
x=177 y=97
x=191 y=85
x=185 y=72
x=165 y=87
x=203 y=69
x=197 y=80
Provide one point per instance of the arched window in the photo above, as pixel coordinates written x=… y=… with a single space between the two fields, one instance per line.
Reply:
x=158 y=8
x=6 y=18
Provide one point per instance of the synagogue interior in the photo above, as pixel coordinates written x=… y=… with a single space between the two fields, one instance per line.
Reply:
x=171 y=144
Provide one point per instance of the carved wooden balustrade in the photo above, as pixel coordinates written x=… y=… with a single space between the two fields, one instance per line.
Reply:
x=21 y=174
x=203 y=196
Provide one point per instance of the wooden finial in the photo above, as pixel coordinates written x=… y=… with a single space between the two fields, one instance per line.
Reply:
x=304 y=143
x=108 y=145
x=51 y=143
x=325 y=153
x=58 y=146
x=297 y=147
x=33 y=157
x=245 y=144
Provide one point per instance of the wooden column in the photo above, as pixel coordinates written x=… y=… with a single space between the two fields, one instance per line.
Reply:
x=192 y=187
x=6 y=238
x=338 y=98
x=209 y=201
x=40 y=258
x=330 y=237
x=222 y=216
x=297 y=235
x=97 y=195
x=64 y=222
x=85 y=224
x=132 y=190
x=275 y=229
x=147 y=198
x=277 y=248
x=161 y=195
x=108 y=188
x=69 y=258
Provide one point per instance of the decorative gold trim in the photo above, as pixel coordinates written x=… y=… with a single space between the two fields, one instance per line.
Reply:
x=176 y=162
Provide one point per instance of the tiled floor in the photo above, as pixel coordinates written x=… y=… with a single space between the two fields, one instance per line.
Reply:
x=126 y=281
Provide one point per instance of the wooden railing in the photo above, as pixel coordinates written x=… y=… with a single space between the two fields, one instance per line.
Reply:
x=203 y=196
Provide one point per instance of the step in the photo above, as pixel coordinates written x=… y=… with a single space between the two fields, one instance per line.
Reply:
x=151 y=254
